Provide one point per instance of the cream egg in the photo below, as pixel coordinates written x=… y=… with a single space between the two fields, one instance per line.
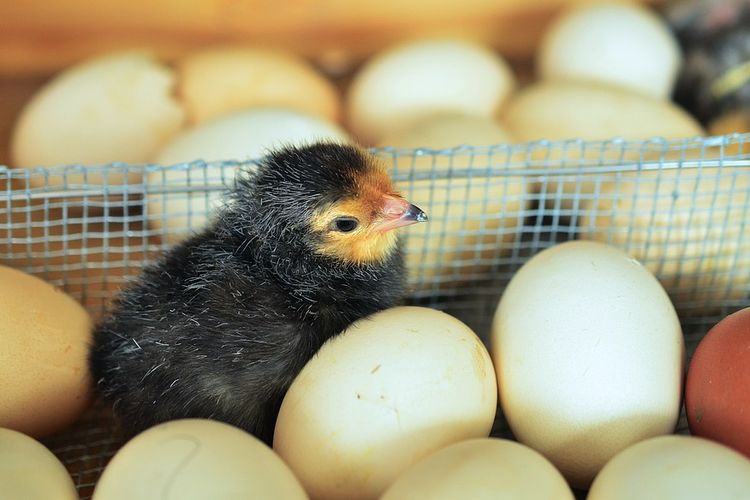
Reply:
x=389 y=390
x=44 y=376
x=589 y=356
x=481 y=469
x=621 y=44
x=196 y=459
x=473 y=217
x=674 y=468
x=29 y=471
x=219 y=80
x=114 y=108
x=182 y=199
x=425 y=76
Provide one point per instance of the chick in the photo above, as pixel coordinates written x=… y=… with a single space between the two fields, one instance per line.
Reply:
x=222 y=324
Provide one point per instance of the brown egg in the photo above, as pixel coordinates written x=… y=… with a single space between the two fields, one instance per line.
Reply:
x=45 y=336
x=717 y=392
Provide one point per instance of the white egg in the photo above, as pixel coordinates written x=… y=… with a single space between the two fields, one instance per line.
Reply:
x=422 y=77
x=29 y=471
x=196 y=459
x=481 y=469
x=115 y=108
x=240 y=136
x=589 y=353
x=621 y=44
x=674 y=468
x=389 y=390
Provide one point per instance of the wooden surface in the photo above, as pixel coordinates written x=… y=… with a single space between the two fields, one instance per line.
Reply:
x=38 y=37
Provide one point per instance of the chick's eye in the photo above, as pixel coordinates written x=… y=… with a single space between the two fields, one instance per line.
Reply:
x=345 y=224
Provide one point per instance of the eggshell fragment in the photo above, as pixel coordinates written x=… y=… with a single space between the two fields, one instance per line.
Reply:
x=389 y=390
x=589 y=353
x=114 y=108
x=29 y=471
x=195 y=459
x=45 y=335
x=219 y=80
x=481 y=469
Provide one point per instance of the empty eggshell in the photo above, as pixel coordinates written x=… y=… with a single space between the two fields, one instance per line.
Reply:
x=44 y=378
x=219 y=80
x=589 y=353
x=422 y=77
x=472 y=216
x=389 y=390
x=673 y=468
x=29 y=471
x=114 y=108
x=196 y=459
x=240 y=136
x=481 y=469
x=621 y=44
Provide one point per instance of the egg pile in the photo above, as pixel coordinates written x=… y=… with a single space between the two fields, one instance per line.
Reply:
x=586 y=359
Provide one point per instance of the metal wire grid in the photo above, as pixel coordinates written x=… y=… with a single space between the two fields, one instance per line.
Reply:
x=680 y=207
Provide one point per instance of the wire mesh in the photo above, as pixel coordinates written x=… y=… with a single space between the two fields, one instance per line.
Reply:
x=680 y=207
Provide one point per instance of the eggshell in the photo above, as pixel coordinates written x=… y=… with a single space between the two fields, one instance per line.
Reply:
x=473 y=219
x=45 y=336
x=29 y=471
x=673 y=468
x=195 y=459
x=589 y=353
x=717 y=395
x=686 y=226
x=391 y=389
x=215 y=81
x=562 y=111
x=426 y=76
x=113 y=108
x=481 y=469
x=622 y=44
x=240 y=136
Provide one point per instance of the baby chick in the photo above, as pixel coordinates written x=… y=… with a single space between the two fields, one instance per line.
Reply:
x=223 y=323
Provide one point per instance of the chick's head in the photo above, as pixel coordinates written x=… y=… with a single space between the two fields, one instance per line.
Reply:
x=335 y=200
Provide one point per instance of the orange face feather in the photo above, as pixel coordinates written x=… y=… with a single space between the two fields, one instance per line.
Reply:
x=378 y=210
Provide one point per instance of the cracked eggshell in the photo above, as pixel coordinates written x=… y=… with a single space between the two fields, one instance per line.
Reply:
x=113 y=108
x=389 y=390
x=195 y=459
x=219 y=80
x=589 y=356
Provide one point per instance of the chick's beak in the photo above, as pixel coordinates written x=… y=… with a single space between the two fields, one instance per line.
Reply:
x=397 y=212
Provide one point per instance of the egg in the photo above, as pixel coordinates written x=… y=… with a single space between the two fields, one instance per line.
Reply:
x=673 y=468
x=686 y=226
x=425 y=76
x=717 y=399
x=240 y=136
x=589 y=353
x=194 y=459
x=29 y=471
x=622 y=44
x=479 y=469
x=473 y=218
x=563 y=111
x=44 y=378
x=114 y=108
x=392 y=388
x=219 y=80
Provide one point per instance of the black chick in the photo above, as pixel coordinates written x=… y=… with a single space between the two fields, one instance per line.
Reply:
x=222 y=324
